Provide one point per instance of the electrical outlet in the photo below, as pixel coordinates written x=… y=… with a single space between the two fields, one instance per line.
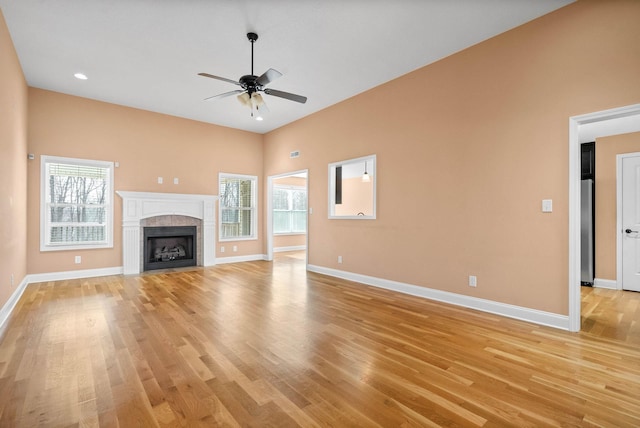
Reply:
x=222 y=249
x=160 y=180
x=473 y=281
x=235 y=248
x=176 y=180
x=78 y=260
x=340 y=259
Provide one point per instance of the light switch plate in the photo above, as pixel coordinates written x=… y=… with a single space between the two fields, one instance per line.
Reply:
x=547 y=205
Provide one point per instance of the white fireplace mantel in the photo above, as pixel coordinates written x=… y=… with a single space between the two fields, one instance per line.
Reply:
x=140 y=205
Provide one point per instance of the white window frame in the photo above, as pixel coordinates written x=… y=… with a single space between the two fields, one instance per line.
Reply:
x=253 y=208
x=291 y=188
x=44 y=205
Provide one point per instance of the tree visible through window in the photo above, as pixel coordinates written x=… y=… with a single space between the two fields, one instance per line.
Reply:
x=289 y=210
x=237 y=206
x=76 y=205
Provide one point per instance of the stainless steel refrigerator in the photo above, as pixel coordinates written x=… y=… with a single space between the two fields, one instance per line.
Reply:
x=586 y=232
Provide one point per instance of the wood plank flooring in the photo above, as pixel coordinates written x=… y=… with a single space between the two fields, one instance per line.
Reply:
x=260 y=344
x=612 y=314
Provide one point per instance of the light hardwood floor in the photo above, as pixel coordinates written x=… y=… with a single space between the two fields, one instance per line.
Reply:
x=262 y=344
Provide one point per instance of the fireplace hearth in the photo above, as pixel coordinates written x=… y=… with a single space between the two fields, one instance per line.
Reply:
x=169 y=247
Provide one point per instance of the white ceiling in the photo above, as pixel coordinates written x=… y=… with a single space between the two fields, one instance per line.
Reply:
x=147 y=53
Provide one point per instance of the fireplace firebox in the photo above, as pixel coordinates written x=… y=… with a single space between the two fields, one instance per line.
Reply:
x=169 y=247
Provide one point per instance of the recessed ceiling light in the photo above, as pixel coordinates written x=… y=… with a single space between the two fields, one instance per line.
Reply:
x=80 y=76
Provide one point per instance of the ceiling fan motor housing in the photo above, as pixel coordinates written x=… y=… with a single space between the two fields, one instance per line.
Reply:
x=248 y=82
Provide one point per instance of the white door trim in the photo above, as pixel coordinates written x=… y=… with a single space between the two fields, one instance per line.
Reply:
x=575 y=123
x=269 y=215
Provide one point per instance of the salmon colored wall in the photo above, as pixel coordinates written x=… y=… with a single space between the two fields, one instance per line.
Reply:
x=289 y=240
x=290 y=181
x=605 y=199
x=467 y=148
x=146 y=145
x=280 y=241
x=13 y=158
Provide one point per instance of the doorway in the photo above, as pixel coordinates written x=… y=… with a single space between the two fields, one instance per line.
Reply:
x=287 y=214
x=586 y=128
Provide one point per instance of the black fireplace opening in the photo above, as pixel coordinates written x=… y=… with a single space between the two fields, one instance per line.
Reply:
x=169 y=247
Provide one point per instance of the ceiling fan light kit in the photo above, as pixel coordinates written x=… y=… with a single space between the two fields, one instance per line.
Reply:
x=244 y=98
x=253 y=85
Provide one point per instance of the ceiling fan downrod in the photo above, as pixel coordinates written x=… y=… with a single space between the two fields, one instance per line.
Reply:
x=252 y=38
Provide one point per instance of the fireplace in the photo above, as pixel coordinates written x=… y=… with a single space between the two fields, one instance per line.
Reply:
x=169 y=247
x=147 y=209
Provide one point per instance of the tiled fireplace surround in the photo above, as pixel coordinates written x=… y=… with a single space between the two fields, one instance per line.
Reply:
x=149 y=209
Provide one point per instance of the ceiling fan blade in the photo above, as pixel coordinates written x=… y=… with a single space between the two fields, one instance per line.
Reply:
x=219 y=78
x=268 y=76
x=224 y=95
x=286 y=95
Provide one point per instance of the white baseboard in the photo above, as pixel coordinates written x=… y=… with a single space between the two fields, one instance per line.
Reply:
x=8 y=307
x=611 y=284
x=239 y=259
x=73 y=274
x=291 y=248
x=518 y=312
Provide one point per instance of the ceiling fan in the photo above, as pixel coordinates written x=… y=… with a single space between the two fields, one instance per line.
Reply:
x=252 y=85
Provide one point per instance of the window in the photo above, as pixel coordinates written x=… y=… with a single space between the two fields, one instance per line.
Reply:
x=352 y=189
x=289 y=209
x=237 y=206
x=76 y=204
